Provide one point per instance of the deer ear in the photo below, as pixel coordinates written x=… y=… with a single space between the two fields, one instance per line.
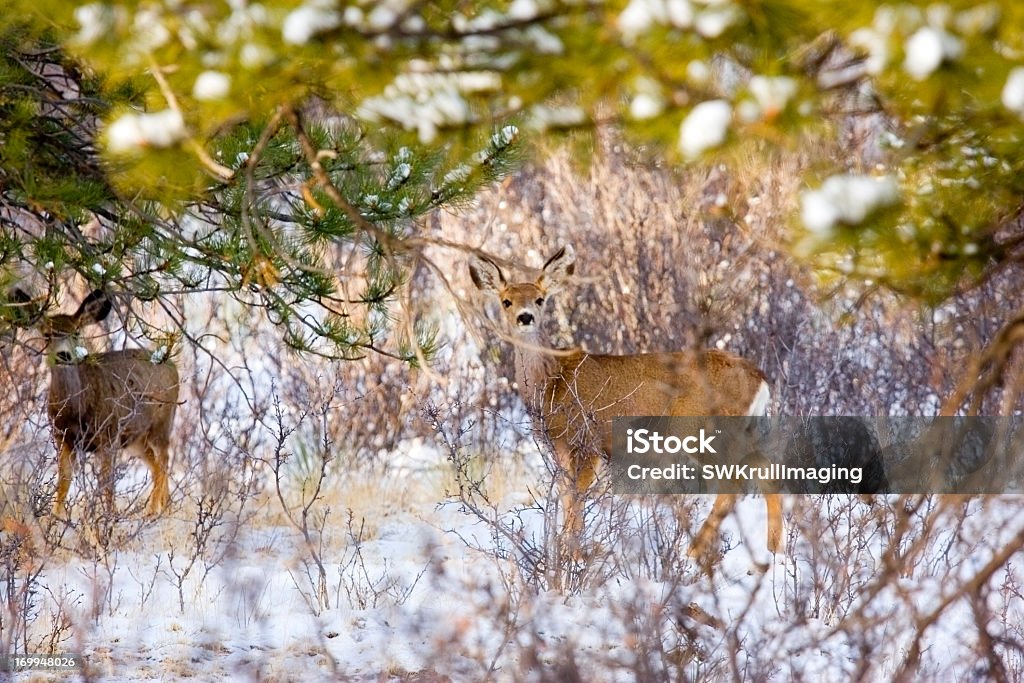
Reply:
x=560 y=266
x=486 y=274
x=94 y=308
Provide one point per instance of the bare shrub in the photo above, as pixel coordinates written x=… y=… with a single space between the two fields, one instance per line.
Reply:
x=669 y=260
x=302 y=468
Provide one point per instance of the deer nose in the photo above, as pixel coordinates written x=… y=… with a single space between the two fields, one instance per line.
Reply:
x=525 y=319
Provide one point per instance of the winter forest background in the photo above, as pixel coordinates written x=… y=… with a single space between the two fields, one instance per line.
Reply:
x=285 y=196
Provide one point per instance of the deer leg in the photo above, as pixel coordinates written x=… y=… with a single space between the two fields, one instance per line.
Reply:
x=586 y=473
x=572 y=501
x=582 y=476
x=772 y=504
x=702 y=544
x=773 y=509
x=724 y=503
x=572 y=504
x=157 y=459
x=65 y=470
x=571 y=493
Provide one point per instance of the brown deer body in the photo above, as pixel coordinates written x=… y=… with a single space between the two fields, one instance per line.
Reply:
x=104 y=402
x=575 y=394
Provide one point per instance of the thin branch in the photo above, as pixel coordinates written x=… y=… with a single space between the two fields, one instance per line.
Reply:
x=985 y=371
x=220 y=171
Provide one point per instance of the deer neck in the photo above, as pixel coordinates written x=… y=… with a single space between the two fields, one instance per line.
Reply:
x=67 y=384
x=67 y=391
x=535 y=368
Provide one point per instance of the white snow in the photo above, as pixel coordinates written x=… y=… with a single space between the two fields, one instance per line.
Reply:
x=211 y=85
x=433 y=591
x=705 y=127
x=505 y=136
x=309 y=20
x=254 y=56
x=1013 y=91
x=543 y=116
x=149 y=30
x=352 y=16
x=440 y=595
x=847 y=199
x=646 y=106
x=714 y=21
x=427 y=102
x=749 y=111
x=772 y=93
x=132 y=132
x=639 y=16
x=457 y=175
x=698 y=72
x=243 y=24
x=381 y=17
x=978 y=20
x=876 y=45
x=400 y=174
x=544 y=42
x=94 y=20
x=523 y=10
x=927 y=49
x=680 y=13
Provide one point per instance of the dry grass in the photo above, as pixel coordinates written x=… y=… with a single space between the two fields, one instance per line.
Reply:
x=667 y=260
x=698 y=258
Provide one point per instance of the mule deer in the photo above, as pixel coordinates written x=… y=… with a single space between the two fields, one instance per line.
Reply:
x=576 y=394
x=103 y=402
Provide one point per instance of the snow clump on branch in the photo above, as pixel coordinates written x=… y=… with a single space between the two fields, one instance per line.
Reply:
x=704 y=128
x=847 y=199
x=309 y=20
x=1013 y=91
x=134 y=132
x=927 y=49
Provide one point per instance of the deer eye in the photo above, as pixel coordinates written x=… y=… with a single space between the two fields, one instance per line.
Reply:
x=506 y=302
x=540 y=301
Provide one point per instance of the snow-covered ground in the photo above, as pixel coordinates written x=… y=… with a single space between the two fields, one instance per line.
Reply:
x=392 y=574
x=415 y=587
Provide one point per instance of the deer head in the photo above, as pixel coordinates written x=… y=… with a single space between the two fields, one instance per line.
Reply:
x=523 y=302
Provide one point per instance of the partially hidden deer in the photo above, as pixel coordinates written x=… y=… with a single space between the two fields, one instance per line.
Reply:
x=105 y=402
x=575 y=394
